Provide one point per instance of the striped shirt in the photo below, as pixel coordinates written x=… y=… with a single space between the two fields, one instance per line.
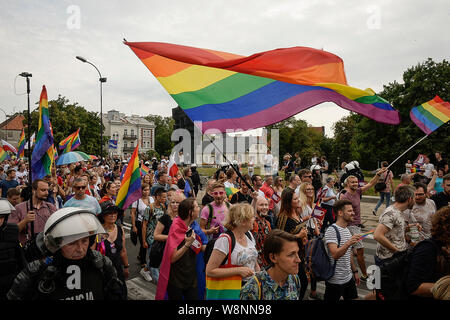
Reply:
x=343 y=272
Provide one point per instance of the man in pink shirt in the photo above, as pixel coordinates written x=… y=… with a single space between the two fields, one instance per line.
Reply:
x=213 y=214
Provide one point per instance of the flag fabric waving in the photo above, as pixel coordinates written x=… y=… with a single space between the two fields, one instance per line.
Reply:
x=113 y=144
x=71 y=142
x=42 y=156
x=21 y=147
x=3 y=155
x=227 y=91
x=172 y=168
x=32 y=141
x=144 y=170
x=431 y=115
x=130 y=188
x=9 y=147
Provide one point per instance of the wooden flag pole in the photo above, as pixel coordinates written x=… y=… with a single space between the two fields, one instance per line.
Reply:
x=420 y=140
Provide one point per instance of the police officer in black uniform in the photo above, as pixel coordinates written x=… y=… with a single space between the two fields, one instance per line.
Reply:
x=71 y=270
x=12 y=259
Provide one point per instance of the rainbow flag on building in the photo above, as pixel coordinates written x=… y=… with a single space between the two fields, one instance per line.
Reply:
x=71 y=142
x=21 y=145
x=42 y=156
x=431 y=115
x=130 y=188
x=3 y=155
x=220 y=90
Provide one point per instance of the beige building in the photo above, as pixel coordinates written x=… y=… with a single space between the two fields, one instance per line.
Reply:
x=11 y=129
x=128 y=131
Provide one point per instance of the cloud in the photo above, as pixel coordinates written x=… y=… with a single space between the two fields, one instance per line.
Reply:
x=43 y=38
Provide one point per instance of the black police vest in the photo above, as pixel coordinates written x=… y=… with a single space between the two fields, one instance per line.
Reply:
x=9 y=266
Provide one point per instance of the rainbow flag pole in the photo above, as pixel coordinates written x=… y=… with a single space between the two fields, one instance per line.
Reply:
x=429 y=116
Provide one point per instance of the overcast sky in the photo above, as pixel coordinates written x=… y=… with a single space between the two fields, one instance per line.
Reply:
x=378 y=40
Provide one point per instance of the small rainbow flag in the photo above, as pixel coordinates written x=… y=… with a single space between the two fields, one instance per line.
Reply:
x=431 y=115
x=21 y=147
x=71 y=142
x=230 y=192
x=130 y=188
x=362 y=236
x=144 y=170
x=220 y=90
x=3 y=155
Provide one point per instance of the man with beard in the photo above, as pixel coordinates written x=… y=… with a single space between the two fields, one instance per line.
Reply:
x=442 y=199
x=353 y=193
x=390 y=232
x=214 y=213
x=41 y=211
x=422 y=210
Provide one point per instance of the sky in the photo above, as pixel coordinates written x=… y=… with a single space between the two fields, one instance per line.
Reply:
x=377 y=40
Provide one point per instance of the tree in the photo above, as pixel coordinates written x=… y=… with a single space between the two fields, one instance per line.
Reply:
x=371 y=142
x=66 y=118
x=163 y=132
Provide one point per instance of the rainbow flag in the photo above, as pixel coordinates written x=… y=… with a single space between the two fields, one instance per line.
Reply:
x=228 y=91
x=130 y=188
x=21 y=145
x=3 y=155
x=71 y=142
x=42 y=156
x=144 y=170
x=431 y=115
x=230 y=191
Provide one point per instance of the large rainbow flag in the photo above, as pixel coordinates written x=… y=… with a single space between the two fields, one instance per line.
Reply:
x=130 y=188
x=71 y=142
x=431 y=115
x=228 y=91
x=42 y=156
x=21 y=145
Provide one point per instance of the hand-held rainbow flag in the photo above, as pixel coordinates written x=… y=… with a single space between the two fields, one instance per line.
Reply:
x=21 y=145
x=144 y=170
x=42 y=157
x=362 y=236
x=428 y=117
x=130 y=188
x=71 y=142
x=3 y=155
x=431 y=115
x=227 y=91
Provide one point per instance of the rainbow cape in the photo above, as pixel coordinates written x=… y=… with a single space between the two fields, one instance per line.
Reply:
x=220 y=90
x=3 y=155
x=130 y=188
x=42 y=156
x=21 y=145
x=431 y=115
x=71 y=142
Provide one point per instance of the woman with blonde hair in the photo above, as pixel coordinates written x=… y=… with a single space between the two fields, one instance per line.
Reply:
x=261 y=227
x=244 y=256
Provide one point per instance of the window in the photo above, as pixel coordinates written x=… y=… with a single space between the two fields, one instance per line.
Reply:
x=125 y=132
x=132 y=132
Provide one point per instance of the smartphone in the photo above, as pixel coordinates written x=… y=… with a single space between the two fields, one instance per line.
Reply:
x=189 y=232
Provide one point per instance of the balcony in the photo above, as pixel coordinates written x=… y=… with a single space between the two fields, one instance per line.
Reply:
x=128 y=149
x=129 y=137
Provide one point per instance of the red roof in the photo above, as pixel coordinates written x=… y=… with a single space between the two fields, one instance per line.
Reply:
x=13 y=123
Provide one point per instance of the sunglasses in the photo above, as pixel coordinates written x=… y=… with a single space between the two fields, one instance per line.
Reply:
x=79 y=187
x=217 y=193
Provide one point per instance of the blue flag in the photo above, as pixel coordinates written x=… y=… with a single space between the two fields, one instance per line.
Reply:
x=187 y=188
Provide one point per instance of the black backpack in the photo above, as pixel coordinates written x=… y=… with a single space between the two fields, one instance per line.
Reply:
x=210 y=246
x=317 y=260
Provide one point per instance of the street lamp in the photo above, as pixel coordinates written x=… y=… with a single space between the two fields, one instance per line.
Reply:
x=101 y=102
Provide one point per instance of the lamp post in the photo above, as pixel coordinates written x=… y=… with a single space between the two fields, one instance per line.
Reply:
x=101 y=103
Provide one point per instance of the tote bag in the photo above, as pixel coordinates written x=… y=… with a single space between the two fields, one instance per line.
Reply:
x=228 y=288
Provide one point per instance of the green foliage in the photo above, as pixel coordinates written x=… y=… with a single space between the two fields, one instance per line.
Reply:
x=151 y=153
x=359 y=138
x=163 y=132
x=66 y=118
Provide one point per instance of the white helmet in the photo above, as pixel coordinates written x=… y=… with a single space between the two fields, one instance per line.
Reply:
x=315 y=167
x=67 y=225
x=352 y=165
x=5 y=207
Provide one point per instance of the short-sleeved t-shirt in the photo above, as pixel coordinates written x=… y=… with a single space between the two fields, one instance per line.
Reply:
x=393 y=219
x=241 y=256
x=343 y=272
x=355 y=198
x=423 y=214
x=329 y=192
x=441 y=199
x=5 y=185
x=219 y=213
x=157 y=213
x=140 y=207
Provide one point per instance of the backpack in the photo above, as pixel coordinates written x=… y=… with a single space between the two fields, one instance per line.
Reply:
x=211 y=213
x=394 y=273
x=210 y=246
x=317 y=260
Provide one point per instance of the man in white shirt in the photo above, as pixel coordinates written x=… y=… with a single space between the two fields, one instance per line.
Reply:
x=345 y=279
x=268 y=159
x=428 y=167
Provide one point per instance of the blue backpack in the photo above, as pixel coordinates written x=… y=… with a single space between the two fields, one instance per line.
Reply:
x=317 y=260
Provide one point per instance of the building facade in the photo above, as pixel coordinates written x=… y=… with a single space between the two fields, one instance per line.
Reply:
x=128 y=131
x=11 y=129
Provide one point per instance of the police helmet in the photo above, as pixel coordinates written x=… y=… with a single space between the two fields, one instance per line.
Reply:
x=70 y=224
